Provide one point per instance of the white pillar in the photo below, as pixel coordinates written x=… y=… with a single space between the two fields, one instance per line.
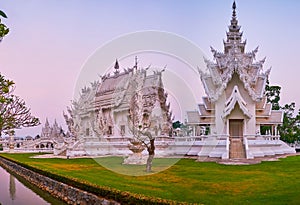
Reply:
x=194 y=130
x=227 y=127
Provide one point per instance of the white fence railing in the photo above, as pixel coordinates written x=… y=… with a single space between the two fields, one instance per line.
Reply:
x=262 y=137
x=200 y=138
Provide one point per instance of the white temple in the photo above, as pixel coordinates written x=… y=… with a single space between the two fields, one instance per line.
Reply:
x=226 y=125
x=235 y=107
x=101 y=121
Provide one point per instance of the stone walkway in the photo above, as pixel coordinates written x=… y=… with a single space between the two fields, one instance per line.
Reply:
x=237 y=150
x=253 y=161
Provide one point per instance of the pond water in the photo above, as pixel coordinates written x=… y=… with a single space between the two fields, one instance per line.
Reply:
x=15 y=190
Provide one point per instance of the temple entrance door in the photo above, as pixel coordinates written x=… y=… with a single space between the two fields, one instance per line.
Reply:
x=236 y=149
x=236 y=128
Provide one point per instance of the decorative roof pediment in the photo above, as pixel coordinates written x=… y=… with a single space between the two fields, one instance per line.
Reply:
x=235 y=98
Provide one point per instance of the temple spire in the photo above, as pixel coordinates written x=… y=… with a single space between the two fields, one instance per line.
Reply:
x=234 y=20
x=136 y=63
x=116 y=67
x=233 y=8
x=47 y=122
x=234 y=36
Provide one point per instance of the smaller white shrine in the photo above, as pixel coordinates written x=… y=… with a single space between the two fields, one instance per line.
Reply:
x=235 y=107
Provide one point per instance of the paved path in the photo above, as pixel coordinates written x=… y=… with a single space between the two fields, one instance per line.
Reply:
x=255 y=160
x=237 y=150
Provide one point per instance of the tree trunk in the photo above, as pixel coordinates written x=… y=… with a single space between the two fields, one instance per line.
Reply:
x=149 y=163
x=151 y=153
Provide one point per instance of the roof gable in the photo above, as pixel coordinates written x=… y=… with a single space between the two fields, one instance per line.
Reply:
x=235 y=98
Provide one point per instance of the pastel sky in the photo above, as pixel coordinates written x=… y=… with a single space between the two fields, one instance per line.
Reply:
x=50 y=41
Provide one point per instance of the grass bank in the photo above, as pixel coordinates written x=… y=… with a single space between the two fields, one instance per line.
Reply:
x=189 y=181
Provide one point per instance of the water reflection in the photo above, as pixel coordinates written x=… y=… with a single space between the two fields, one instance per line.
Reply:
x=12 y=187
x=15 y=190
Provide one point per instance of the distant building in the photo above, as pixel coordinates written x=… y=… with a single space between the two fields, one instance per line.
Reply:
x=49 y=136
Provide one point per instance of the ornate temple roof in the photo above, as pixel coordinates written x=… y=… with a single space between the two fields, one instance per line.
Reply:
x=261 y=104
x=193 y=117
x=115 y=89
x=265 y=112
x=207 y=104
x=112 y=89
x=232 y=60
x=203 y=111
x=276 y=117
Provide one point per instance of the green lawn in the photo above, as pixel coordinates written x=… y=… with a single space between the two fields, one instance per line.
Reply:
x=189 y=181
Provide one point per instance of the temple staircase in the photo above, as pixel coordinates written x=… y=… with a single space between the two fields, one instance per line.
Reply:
x=237 y=148
x=63 y=153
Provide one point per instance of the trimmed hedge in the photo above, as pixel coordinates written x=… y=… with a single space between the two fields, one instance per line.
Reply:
x=122 y=197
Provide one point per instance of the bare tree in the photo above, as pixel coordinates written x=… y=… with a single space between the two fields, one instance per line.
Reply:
x=144 y=126
x=147 y=136
x=13 y=112
x=149 y=114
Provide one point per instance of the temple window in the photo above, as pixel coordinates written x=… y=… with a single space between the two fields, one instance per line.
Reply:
x=122 y=132
x=109 y=130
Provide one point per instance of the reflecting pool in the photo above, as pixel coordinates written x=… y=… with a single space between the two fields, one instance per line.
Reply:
x=17 y=191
